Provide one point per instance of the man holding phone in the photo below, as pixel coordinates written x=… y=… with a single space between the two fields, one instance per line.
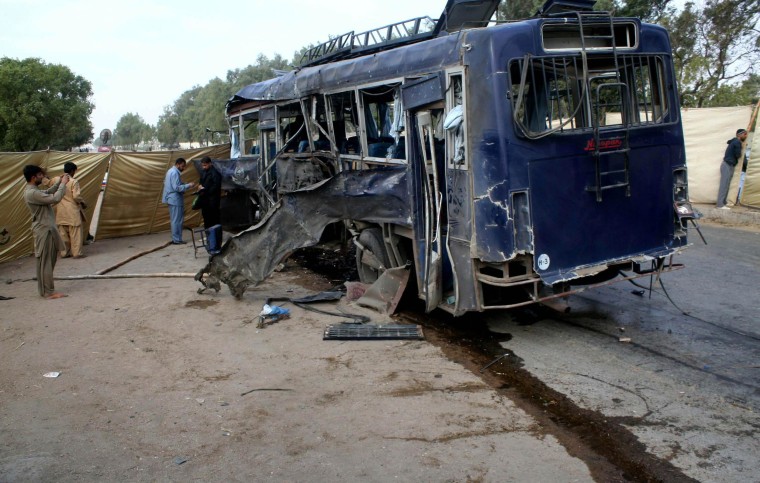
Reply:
x=47 y=240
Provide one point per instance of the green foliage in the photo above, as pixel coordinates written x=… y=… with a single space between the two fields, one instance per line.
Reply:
x=744 y=94
x=260 y=71
x=167 y=129
x=518 y=10
x=528 y=8
x=201 y=109
x=131 y=130
x=713 y=48
x=43 y=106
x=646 y=10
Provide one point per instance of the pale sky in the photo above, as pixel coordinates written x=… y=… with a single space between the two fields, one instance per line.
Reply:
x=142 y=55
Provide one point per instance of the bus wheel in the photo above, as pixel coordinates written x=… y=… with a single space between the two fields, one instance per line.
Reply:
x=371 y=257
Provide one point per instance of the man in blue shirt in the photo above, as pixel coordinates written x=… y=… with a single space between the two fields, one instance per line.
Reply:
x=730 y=160
x=173 y=196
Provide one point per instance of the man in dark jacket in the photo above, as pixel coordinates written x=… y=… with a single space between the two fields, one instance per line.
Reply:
x=210 y=192
x=730 y=160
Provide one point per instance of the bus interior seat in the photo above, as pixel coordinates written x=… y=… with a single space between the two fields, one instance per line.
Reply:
x=378 y=148
x=351 y=146
x=339 y=128
x=399 y=149
x=321 y=144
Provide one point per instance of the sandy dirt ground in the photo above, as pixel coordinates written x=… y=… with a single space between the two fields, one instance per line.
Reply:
x=160 y=383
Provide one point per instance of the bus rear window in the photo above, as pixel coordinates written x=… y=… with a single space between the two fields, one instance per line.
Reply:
x=557 y=94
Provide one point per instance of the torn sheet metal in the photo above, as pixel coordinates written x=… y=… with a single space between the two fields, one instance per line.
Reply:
x=236 y=173
x=297 y=221
x=385 y=293
x=299 y=171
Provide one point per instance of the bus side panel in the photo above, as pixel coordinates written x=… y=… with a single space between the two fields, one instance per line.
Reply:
x=489 y=122
x=459 y=236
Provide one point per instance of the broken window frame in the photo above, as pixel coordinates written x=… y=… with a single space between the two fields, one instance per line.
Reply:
x=330 y=96
x=453 y=99
x=291 y=109
x=364 y=94
x=316 y=105
x=563 y=77
x=244 y=124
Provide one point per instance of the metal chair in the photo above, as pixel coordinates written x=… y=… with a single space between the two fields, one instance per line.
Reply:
x=201 y=243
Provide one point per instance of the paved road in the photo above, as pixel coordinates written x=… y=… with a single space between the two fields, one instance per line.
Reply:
x=687 y=383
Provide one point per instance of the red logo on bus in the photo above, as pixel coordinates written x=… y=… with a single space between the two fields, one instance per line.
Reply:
x=604 y=144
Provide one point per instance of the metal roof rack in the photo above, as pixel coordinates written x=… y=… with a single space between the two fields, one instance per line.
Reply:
x=384 y=38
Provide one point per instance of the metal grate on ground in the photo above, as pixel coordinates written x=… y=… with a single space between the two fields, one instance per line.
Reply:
x=373 y=332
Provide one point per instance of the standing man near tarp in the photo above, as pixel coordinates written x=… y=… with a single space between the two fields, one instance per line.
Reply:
x=174 y=191
x=210 y=198
x=730 y=160
x=210 y=192
x=70 y=217
x=47 y=240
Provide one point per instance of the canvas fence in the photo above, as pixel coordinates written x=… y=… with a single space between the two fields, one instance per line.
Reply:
x=131 y=203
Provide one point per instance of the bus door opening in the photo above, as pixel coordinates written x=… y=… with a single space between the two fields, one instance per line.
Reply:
x=431 y=154
x=267 y=174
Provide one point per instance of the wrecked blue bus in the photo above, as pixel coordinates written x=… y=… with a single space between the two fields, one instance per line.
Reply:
x=501 y=164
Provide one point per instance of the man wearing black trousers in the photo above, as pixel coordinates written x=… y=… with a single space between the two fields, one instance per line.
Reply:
x=210 y=192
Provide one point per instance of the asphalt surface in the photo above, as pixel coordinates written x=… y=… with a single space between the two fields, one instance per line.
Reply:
x=678 y=369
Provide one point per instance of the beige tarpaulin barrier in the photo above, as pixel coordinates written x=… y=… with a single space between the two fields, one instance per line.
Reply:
x=705 y=134
x=751 y=190
x=132 y=200
x=15 y=220
x=131 y=204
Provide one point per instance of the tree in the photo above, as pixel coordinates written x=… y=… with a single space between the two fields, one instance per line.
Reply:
x=528 y=8
x=167 y=129
x=518 y=10
x=202 y=107
x=148 y=134
x=130 y=131
x=207 y=110
x=712 y=47
x=647 y=10
x=714 y=50
x=188 y=126
x=260 y=71
x=43 y=106
x=736 y=95
x=715 y=47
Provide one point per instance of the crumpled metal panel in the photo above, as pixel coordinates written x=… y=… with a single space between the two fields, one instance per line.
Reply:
x=385 y=293
x=422 y=58
x=377 y=196
x=300 y=171
x=242 y=172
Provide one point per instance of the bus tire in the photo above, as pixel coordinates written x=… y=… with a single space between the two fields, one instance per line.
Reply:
x=372 y=240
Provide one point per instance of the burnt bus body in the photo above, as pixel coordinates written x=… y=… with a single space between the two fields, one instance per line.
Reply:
x=510 y=164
